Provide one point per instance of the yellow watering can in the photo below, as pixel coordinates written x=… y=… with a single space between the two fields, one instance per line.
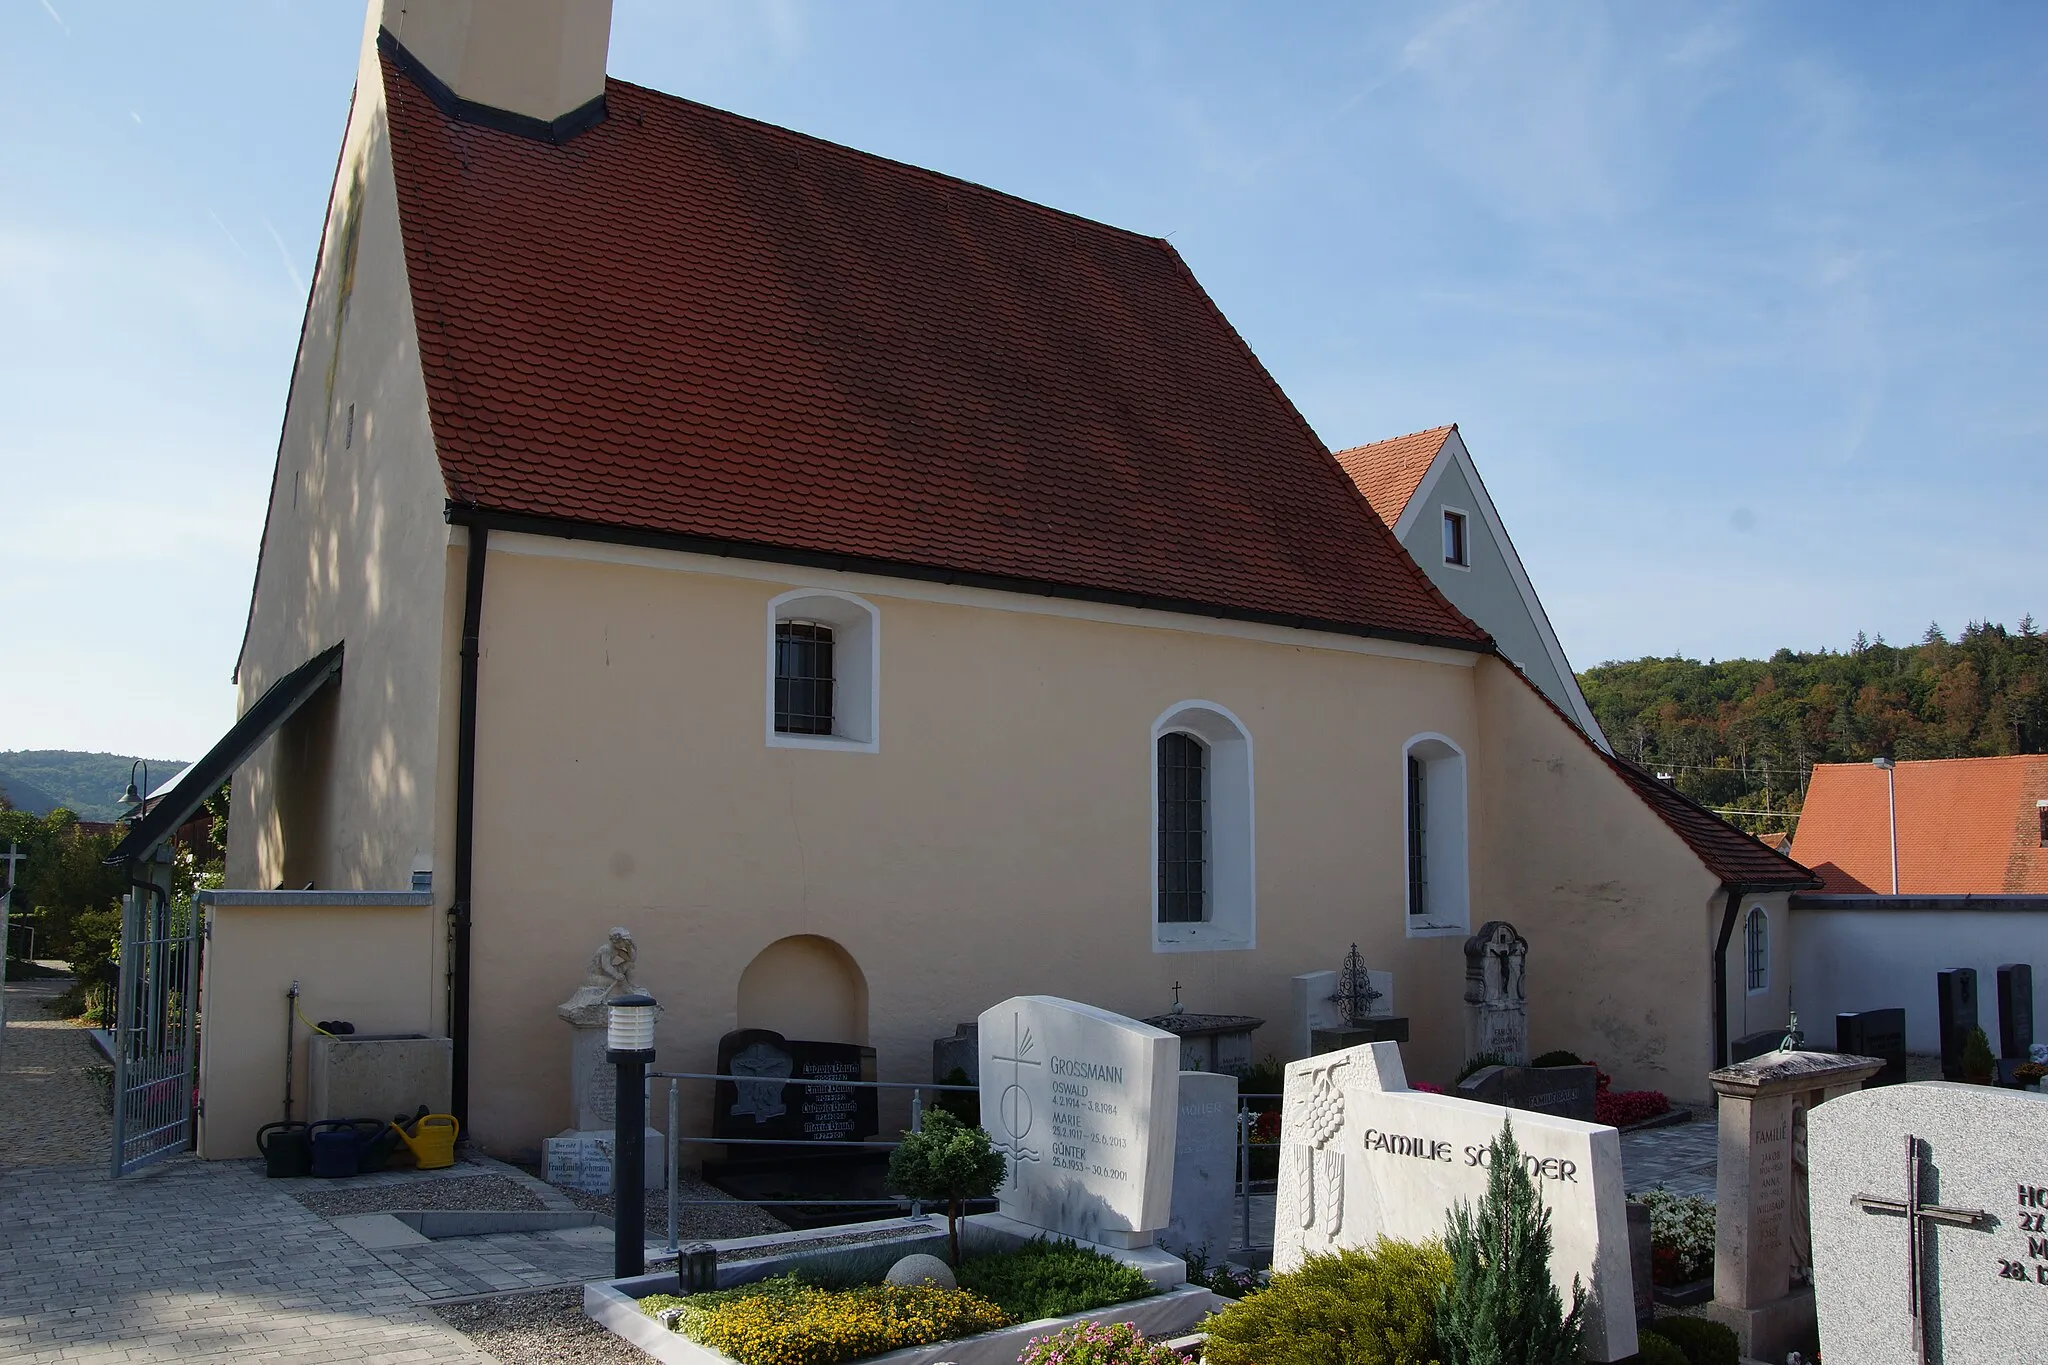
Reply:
x=431 y=1139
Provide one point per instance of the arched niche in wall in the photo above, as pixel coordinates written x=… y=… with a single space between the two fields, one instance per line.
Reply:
x=805 y=986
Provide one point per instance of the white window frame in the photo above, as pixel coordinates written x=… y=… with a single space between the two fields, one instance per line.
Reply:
x=1447 y=841
x=1232 y=922
x=856 y=668
x=1464 y=537
x=1761 y=917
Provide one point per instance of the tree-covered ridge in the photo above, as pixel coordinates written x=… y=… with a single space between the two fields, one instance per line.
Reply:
x=41 y=780
x=1742 y=735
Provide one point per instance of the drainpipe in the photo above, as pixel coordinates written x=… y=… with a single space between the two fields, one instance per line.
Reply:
x=465 y=823
x=1735 y=894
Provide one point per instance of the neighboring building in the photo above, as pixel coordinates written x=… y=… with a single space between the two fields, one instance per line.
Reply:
x=881 y=594
x=1426 y=489
x=1965 y=826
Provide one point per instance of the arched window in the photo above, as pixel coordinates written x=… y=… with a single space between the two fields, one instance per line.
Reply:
x=824 y=666
x=1433 y=837
x=1202 y=833
x=1756 y=948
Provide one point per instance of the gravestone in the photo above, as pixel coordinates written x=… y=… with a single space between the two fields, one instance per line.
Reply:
x=1363 y=1156
x=1315 y=1007
x=580 y=1157
x=769 y=1107
x=1566 y=1091
x=1763 y=1240
x=2016 y=1011
x=1204 y=1167
x=1211 y=1042
x=961 y=1052
x=1929 y=1202
x=1496 y=1005
x=1755 y=1044
x=1955 y=994
x=1641 y=1262
x=1875 y=1033
x=1085 y=1105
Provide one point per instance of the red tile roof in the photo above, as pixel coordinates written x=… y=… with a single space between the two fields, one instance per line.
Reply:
x=1967 y=826
x=1388 y=472
x=692 y=324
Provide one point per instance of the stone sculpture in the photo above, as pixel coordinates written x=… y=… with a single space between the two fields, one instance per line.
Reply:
x=611 y=976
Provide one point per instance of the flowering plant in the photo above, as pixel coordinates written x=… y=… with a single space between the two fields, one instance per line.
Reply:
x=1266 y=1127
x=1681 y=1236
x=1097 y=1343
x=783 y=1321
x=1619 y=1108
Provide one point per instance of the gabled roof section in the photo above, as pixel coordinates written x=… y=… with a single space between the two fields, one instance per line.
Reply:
x=1738 y=859
x=695 y=326
x=1966 y=826
x=1388 y=472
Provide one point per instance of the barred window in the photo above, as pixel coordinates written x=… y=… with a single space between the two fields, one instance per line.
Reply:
x=1756 y=944
x=803 y=678
x=1183 y=829
x=1418 y=836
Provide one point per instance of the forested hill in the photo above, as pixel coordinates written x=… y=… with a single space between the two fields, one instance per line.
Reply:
x=90 y=785
x=1741 y=735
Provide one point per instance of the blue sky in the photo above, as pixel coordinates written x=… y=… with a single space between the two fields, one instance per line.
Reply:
x=1743 y=309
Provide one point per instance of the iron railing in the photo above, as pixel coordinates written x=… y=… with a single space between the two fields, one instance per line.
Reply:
x=156 y=1028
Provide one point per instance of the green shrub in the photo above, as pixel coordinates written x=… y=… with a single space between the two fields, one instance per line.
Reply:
x=783 y=1321
x=1479 y=1062
x=1223 y=1277
x=947 y=1163
x=1704 y=1342
x=1978 y=1063
x=963 y=1105
x=1050 y=1279
x=1558 y=1058
x=1653 y=1349
x=1355 y=1307
x=1097 y=1343
x=1501 y=1306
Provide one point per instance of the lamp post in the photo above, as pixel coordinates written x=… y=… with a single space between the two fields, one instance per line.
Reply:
x=629 y=1046
x=1891 y=796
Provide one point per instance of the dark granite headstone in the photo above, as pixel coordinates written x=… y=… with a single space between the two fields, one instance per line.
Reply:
x=2015 y=1011
x=961 y=1052
x=1639 y=1261
x=1875 y=1033
x=771 y=1107
x=1755 y=1045
x=1956 y=1012
x=1566 y=1091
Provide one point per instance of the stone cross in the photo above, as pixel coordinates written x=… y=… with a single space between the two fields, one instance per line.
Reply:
x=11 y=857
x=1015 y=1105
x=1917 y=1215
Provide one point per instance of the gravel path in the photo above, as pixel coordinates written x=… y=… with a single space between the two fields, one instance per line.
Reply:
x=697 y=1222
x=547 y=1328
x=462 y=1192
x=51 y=1112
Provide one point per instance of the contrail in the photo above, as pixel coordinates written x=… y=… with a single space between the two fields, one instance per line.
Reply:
x=290 y=269
x=51 y=10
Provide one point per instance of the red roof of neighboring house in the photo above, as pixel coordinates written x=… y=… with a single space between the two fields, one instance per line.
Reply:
x=1967 y=826
x=1388 y=472
x=689 y=323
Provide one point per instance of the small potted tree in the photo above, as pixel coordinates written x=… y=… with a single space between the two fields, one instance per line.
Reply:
x=948 y=1163
x=1978 y=1063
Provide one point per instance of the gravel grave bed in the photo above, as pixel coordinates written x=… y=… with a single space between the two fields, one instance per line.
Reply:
x=696 y=1222
x=440 y=1193
x=545 y=1328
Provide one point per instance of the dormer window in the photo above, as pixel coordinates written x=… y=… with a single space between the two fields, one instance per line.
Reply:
x=1455 y=548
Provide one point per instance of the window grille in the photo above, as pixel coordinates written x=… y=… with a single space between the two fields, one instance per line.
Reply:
x=803 y=678
x=1183 y=829
x=1756 y=944
x=1418 y=836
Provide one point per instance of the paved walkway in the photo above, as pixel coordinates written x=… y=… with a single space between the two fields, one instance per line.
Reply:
x=52 y=1113
x=1680 y=1158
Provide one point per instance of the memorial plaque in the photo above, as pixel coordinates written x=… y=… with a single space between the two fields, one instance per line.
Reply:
x=1566 y=1091
x=1085 y=1105
x=767 y=1104
x=1363 y=1156
x=1955 y=995
x=1930 y=1202
x=2016 y=1011
x=1875 y=1033
x=1204 y=1167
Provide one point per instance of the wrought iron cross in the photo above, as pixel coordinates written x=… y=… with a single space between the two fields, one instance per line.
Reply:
x=1917 y=1216
x=1354 y=989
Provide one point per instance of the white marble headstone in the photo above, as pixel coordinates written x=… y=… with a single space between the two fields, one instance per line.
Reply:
x=1084 y=1103
x=1362 y=1156
x=1980 y=1150
x=1204 y=1167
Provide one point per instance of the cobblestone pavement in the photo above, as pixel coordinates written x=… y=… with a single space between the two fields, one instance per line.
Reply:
x=1680 y=1158
x=51 y=1112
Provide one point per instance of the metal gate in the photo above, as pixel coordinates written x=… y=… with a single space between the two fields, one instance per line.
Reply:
x=156 y=1029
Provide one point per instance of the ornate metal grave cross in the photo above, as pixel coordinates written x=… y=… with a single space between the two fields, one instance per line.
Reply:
x=1354 y=989
x=1917 y=1216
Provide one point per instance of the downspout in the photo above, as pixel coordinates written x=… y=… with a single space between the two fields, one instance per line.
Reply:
x=465 y=824
x=1735 y=894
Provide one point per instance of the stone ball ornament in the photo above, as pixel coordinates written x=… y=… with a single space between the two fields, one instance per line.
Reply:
x=919 y=1268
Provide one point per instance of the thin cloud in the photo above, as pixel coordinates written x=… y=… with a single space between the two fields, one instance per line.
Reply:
x=284 y=254
x=51 y=10
x=229 y=235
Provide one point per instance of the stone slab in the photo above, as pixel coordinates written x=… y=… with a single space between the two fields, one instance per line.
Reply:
x=378 y=1231
x=2015 y=1011
x=962 y=1052
x=1084 y=1103
x=356 y=1077
x=583 y=1160
x=1640 y=1265
x=1313 y=1009
x=1875 y=1033
x=1566 y=1091
x=1981 y=1149
x=593 y=1082
x=1955 y=1003
x=773 y=1107
x=1363 y=1156
x=1389 y=1030
x=1204 y=1167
